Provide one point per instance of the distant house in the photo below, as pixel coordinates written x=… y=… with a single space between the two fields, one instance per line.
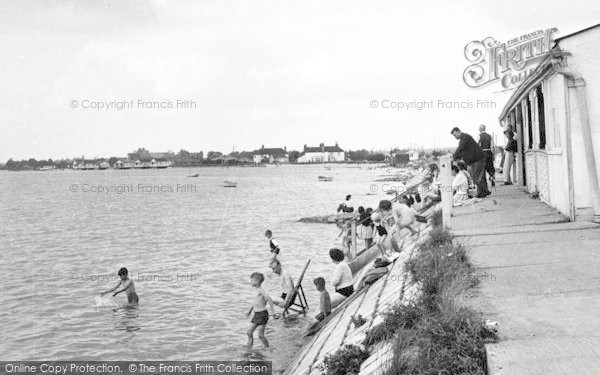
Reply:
x=84 y=164
x=271 y=155
x=402 y=157
x=413 y=155
x=322 y=154
x=124 y=164
x=144 y=159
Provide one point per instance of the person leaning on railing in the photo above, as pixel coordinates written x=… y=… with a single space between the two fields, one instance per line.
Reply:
x=469 y=151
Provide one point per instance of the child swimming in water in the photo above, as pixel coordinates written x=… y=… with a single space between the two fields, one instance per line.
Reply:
x=126 y=286
x=259 y=305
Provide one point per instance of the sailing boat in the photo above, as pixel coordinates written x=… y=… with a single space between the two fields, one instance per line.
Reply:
x=192 y=175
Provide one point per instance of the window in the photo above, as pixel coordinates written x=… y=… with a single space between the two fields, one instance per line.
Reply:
x=541 y=119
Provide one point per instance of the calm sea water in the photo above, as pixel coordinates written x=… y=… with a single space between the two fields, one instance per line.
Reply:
x=190 y=253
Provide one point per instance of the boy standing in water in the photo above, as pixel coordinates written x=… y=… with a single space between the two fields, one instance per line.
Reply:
x=272 y=244
x=126 y=286
x=259 y=305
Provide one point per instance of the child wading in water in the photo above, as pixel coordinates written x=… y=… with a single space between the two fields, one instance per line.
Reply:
x=126 y=286
x=259 y=305
x=272 y=244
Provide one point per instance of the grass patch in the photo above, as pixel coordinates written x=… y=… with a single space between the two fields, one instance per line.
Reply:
x=344 y=361
x=396 y=317
x=437 y=333
x=358 y=320
x=448 y=341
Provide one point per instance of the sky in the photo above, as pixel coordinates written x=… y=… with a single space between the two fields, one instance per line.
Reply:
x=241 y=74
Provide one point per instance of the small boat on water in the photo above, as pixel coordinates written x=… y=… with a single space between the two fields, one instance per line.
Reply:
x=229 y=184
x=190 y=174
x=325 y=178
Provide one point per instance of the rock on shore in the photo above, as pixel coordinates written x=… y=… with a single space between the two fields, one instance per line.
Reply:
x=329 y=219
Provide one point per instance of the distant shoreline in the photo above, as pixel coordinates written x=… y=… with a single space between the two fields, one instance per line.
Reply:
x=199 y=166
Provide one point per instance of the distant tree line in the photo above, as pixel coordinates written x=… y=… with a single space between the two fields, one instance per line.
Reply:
x=185 y=158
x=364 y=155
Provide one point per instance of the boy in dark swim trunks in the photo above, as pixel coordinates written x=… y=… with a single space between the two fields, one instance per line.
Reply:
x=126 y=286
x=272 y=244
x=259 y=305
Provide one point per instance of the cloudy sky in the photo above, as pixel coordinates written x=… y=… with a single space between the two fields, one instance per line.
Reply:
x=258 y=72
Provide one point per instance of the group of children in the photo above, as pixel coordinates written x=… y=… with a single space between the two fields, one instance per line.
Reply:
x=261 y=299
x=376 y=225
x=399 y=216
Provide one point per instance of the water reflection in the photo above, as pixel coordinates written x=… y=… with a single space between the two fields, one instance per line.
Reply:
x=126 y=316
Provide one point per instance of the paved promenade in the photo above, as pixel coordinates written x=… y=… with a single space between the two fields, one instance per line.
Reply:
x=540 y=280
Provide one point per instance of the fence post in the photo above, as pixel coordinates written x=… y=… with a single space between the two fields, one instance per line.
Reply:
x=446 y=179
x=354 y=239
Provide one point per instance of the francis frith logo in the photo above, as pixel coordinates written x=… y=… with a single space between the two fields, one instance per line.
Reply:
x=509 y=63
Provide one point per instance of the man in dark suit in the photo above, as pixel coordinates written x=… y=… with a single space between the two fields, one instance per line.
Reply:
x=485 y=142
x=469 y=151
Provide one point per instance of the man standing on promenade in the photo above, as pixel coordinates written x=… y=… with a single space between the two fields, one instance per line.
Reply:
x=485 y=142
x=469 y=151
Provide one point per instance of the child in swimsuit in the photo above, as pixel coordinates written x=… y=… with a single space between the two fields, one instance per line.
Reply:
x=126 y=286
x=404 y=215
x=272 y=244
x=381 y=234
x=259 y=305
x=347 y=239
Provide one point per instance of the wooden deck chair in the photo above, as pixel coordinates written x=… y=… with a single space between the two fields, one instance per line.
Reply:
x=297 y=302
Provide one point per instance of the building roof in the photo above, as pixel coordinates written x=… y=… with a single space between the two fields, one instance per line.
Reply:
x=335 y=148
x=546 y=67
x=270 y=151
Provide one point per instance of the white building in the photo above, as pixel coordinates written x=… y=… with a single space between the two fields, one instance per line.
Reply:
x=413 y=155
x=556 y=115
x=322 y=154
x=271 y=155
